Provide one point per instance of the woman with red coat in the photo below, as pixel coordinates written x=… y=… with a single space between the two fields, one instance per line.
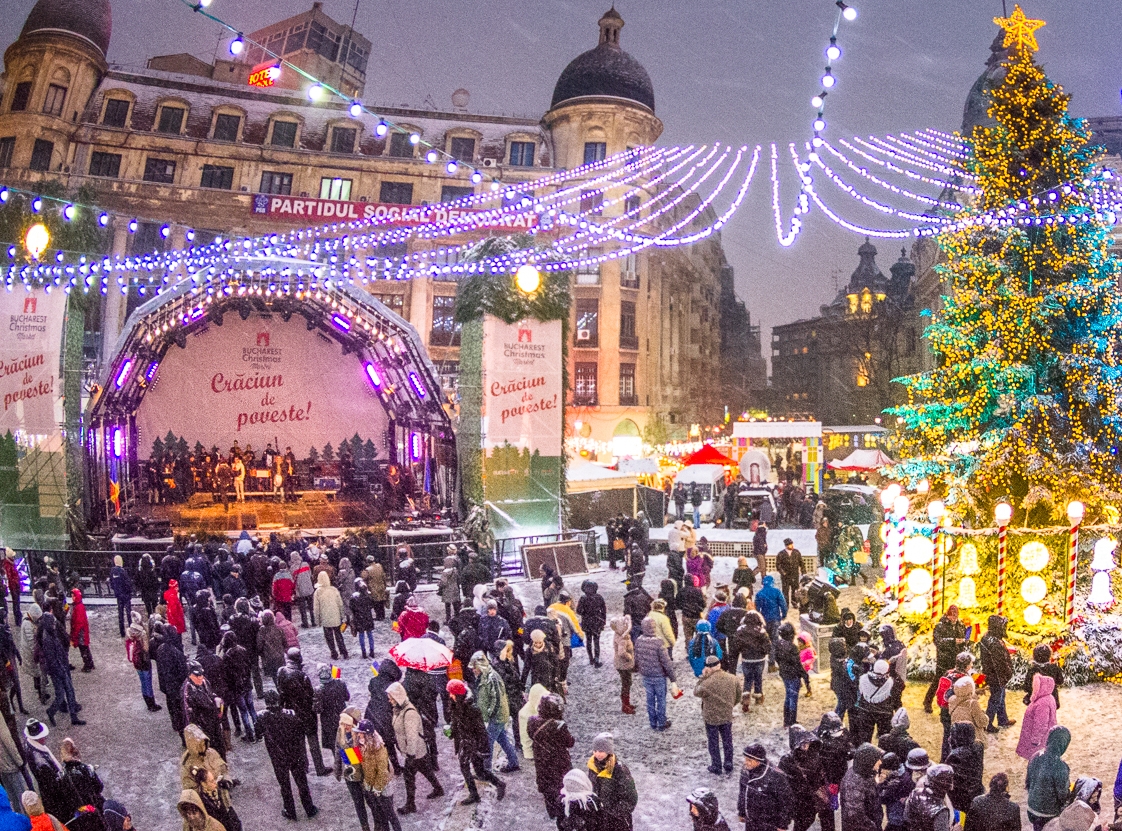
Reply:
x=413 y=622
x=175 y=609
x=80 y=630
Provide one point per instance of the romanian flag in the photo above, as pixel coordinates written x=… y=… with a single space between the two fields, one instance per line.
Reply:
x=374 y=670
x=351 y=755
x=336 y=672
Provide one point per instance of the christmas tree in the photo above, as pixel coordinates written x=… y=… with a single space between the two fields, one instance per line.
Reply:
x=1024 y=402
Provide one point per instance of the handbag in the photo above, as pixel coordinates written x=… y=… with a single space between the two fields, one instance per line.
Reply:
x=575 y=641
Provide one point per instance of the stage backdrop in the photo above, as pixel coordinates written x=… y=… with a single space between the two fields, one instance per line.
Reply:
x=258 y=381
x=522 y=429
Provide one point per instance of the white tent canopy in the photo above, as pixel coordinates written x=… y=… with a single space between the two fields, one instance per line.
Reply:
x=585 y=477
x=863 y=459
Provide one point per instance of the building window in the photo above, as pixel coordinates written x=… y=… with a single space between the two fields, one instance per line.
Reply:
x=522 y=153
x=631 y=205
x=274 y=182
x=105 y=164
x=56 y=98
x=584 y=387
x=226 y=127
x=450 y=193
x=217 y=177
x=592 y=202
x=445 y=329
x=7 y=148
x=396 y=193
x=629 y=271
x=21 y=96
x=588 y=273
x=462 y=148
x=116 y=112
x=159 y=170
x=171 y=120
x=335 y=189
x=627 y=396
x=400 y=146
x=394 y=302
x=41 y=154
x=628 y=337
x=588 y=322
x=595 y=151
x=284 y=134
x=343 y=139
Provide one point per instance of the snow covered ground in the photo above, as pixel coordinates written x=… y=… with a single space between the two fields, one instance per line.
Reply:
x=138 y=755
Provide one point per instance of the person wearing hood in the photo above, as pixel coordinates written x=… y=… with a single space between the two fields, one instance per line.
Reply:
x=847 y=630
x=663 y=628
x=791 y=671
x=895 y=652
x=409 y=734
x=876 y=690
x=581 y=808
x=475 y=573
x=998 y=668
x=39 y=820
x=654 y=664
x=329 y=701
x=705 y=811
x=593 y=614
x=551 y=742
x=771 y=604
x=753 y=646
x=962 y=668
x=691 y=603
x=329 y=612
x=995 y=811
x=623 y=652
x=949 y=635
x=137 y=653
x=215 y=799
x=413 y=621
x=1043 y=664
x=469 y=739
x=246 y=625
x=836 y=749
x=199 y=754
x=802 y=766
x=728 y=622
x=148 y=583
x=29 y=661
x=967 y=757
x=927 y=807
x=345 y=579
x=52 y=649
x=744 y=576
x=45 y=769
x=171 y=667
x=1039 y=718
x=719 y=692
x=305 y=588
x=963 y=704
x=297 y=694
x=528 y=711
x=541 y=663
x=505 y=667
x=283 y=588
x=1082 y=814
x=1047 y=779
x=80 y=630
x=701 y=647
x=378 y=708
x=858 y=796
x=448 y=586
x=194 y=814
x=764 y=801
x=491 y=698
x=898 y=740
x=637 y=604
x=121 y=585
x=894 y=784
x=175 y=614
x=612 y=783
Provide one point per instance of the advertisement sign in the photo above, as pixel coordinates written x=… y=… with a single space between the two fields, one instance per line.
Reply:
x=30 y=387
x=259 y=381
x=522 y=425
x=291 y=209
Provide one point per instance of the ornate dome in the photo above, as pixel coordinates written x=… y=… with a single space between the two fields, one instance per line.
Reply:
x=606 y=70
x=976 y=111
x=90 y=20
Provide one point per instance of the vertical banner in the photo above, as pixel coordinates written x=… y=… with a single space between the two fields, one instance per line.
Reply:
x=32 y=449
x=521 y=426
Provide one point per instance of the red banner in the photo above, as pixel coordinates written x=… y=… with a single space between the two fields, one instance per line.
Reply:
x=293 y=209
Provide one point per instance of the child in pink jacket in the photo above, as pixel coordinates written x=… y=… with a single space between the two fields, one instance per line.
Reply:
x=1039 y=718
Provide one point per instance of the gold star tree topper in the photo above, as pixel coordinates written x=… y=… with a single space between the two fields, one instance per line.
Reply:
x=1020 y=31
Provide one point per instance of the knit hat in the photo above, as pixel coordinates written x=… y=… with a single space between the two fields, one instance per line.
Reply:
x=604 y=743
x=712 y=661
x=35 y=612
x=491 y=604
x=345 y=721
x=788 y=541
x=659 y=605
x=456 y=687
x=35 y=729
x=195 y=668
x=900 y=719
x=917 y=759
x=880 y=667
x=756 y=751
x=32 y=804
x=537 y=636
x=890 y=761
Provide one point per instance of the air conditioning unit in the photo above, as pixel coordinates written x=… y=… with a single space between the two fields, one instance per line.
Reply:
x=490 y=162
x=584 y=334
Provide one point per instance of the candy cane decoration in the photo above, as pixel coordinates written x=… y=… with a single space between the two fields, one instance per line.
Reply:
x=1002 y=532
x=1075 y=516
x=937 y=578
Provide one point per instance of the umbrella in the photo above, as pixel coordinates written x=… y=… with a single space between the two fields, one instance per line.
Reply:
x=421 y=653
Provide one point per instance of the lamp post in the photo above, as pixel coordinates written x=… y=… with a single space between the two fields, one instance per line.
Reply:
x=1075 y=517
x=935 y=512
x=1002 y=514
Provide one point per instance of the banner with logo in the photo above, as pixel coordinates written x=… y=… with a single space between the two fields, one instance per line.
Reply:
x=258 y=382
x=522 y=427
x=292 y=209
x=30 y=350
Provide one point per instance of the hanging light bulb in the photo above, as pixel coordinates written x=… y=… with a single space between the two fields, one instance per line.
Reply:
x=1032 y=614
x=133 y=225
x=819 y=124
x=431 y=156
x=315 y=92
x=967 y=593
x=451 y=166
x=414 y=138
x=36 y=204
x=355 y=109
x=237 y=45
x=476 y=177
x=828 y=80
x=69 y=212
x=968 y=559
x=103 y=219
x=817 y=101
x=833 y=52
x=381 y=130
x=847 y=11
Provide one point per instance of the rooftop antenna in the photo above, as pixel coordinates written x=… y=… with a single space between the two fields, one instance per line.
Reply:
x=1004 y=11
x=354 y=16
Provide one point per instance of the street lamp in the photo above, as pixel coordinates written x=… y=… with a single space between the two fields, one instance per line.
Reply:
x=527 y=278
x=36 y=240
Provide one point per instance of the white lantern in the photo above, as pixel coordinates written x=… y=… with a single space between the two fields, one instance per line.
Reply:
x=1104 y=555
x=968 y=560
x=1075 y=512
x=1032 y=615
x=918 y=550
x=967 y=593
x=1002 y=513
x=900 y=506
x=936 y=510
x=917 y=605
x=1034 y=556
x=919 y=581
x=1034 y=589
x=923 y=486
x=1101 y=594
x=888 y=495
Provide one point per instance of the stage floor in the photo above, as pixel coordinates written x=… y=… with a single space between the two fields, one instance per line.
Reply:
x=313 y=509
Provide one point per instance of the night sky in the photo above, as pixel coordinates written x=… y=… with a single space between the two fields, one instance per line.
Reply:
x=736 y=72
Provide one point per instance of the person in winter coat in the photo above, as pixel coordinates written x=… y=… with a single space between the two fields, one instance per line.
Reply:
x=374 y=575
x=967 y=759
x=199 y=754
x=51 y=646
x=297 y=694
x=593 y=614
x=215 y=800
x=238 y=674
x=469 y=739
x=765 y=801
x=895 y=652
x=1047 y=779
x=136 y=650
x=753 y=645
x=245 y=625
x=894 y=786
x=788 y=562
x=362 y=617
x=207 y=625
x=701 y=647
x=448 y=586
x=423 y=690
x=413 y=621
x=1039 y=718
x=654 y=665
x=581 y=808
x=963 y=704
x=663 y=629
x=175 y=614
x=842 y=682
x=493 y=628
x=926 y=808
x=288 y=629
x=744 y=576
x=995 y=811
x=351 y=772
x=148 y=583
x=194 y=814
x=327 y=606
x=506 y=668
x=541 y=663
x=283 y=589
x=283 y=731
x=528 y=711
x=623 y=651
x=271 y=645
x=171 y=666
x=409 y=734
x=998 y=667
x=305 y=588
x=37 y=818
x=490 y=697
x=772 y=605
x=719 y=692
x=46 y=769
x=29 y=662
x=80 y=630
x=859 y=798
x=803 y=768
x=728 y=622
x=121 y=585
x=848 y=629
x=612 y=783
x=329 y=701
x=836 y=750
x=637 y=605
x=202 y=707
x=1043 y=664
x=875 y=694
x=1083 y=811
x=378 y=708
x=705 y=811
x=949 y=635
x=791 y=671
x=551 y=741
x=898 y=740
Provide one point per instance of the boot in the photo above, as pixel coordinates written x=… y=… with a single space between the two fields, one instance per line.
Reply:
x=759 y=698
x=745 y=701
x=407 y=808
x=625 y=700
x=472 y=798
x=153 y=707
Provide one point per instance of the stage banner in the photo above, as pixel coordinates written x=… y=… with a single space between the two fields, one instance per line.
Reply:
x=521 y=426
x=258 y=382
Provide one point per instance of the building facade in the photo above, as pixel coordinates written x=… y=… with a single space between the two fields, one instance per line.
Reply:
x=208 y=147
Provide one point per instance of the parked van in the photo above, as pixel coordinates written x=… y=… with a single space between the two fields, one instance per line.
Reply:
x=710 y=480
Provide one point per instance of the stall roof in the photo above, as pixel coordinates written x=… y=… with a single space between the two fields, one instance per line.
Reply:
x=708 y=455
x=776 y=429
x=864 y=459
x=584 y=477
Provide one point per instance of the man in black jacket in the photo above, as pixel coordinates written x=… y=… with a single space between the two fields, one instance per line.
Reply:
x=636 y=603
x=284 y=739
x=949 y=635
x=765 y=800
x=244 y=625
x=469 y=737
x=380 y=712
x=171 y=668
x=297 y=694
x=202 y=707
x=998 y=667
x=994 y=811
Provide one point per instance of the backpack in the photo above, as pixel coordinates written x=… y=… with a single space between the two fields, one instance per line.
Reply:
x=946 y=687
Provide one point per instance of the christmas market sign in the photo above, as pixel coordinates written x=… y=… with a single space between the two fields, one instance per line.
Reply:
x=30 y=388
x=290 y=209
